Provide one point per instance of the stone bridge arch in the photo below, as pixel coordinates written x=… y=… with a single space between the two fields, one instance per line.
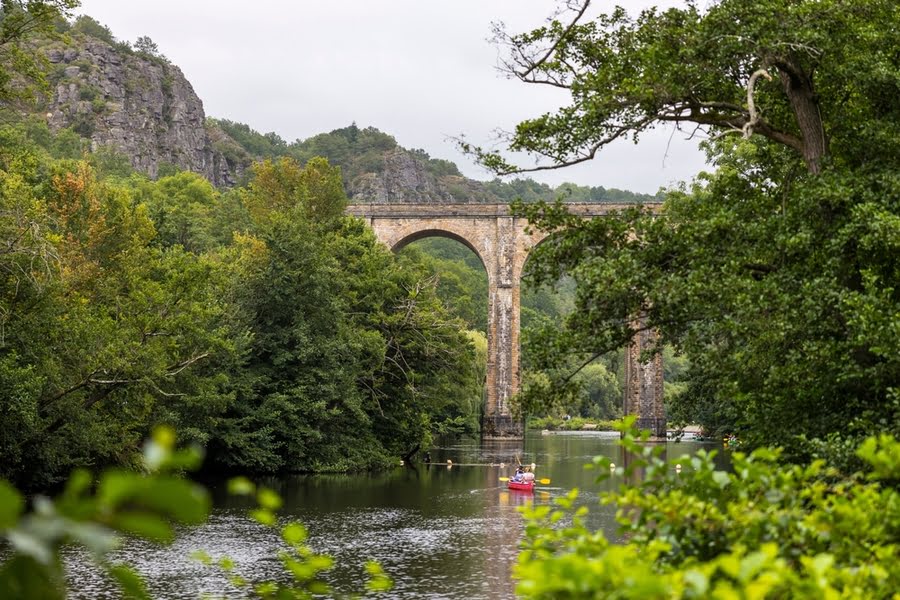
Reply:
x=501 y=242
x=401 y=237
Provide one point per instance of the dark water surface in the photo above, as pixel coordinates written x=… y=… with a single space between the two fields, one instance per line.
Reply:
x=438 y=531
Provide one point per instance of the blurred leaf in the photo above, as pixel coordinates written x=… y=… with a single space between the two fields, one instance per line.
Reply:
x=130 y=583
x=241 y=486
x=11 y=505
x=294 y=534
x=265 y=517
x=268 y=499
x=145 y=525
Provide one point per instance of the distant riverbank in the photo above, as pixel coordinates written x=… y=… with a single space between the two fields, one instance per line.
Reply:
x=557 y=424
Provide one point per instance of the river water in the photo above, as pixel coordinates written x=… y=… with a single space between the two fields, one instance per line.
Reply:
x=439 y=531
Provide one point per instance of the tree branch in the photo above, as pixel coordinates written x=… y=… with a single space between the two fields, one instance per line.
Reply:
x=549 y=53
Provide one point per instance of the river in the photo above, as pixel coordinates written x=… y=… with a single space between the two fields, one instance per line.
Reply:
x=439 y=531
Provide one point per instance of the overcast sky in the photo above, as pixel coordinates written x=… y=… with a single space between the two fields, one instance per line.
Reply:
x=421 y=70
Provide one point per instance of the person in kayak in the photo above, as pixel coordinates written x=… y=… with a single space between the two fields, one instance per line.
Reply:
x=519 y=474
x=527 y=476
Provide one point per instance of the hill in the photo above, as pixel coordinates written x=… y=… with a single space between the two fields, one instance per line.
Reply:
x=133 y=100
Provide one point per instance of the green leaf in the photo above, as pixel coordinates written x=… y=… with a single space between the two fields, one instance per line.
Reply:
x=180 y=499
x=378 y=579
x=263 y=516
x=146 y=525
x=130 y=583
x=79 y=481
x=24 y=577
x=116 y=486
x=294 y=534
x=721 y=478
x=11 y=505
x=241 y=486
x=268 y=499
x=226 y=564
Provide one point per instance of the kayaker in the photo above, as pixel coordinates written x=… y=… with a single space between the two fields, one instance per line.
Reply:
x=519 y=474
x=527 y=476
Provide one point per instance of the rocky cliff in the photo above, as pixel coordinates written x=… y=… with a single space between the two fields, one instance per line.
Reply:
x=406 y=179
x=137 y=104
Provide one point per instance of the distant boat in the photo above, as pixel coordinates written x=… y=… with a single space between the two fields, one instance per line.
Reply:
x=521 y=486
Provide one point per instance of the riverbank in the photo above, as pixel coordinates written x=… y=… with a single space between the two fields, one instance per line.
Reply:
x=599 y=433
x=572 y=424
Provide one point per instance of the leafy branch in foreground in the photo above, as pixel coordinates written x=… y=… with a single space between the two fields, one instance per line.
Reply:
x=93 y=514
x=762 y=530
x=304 y=566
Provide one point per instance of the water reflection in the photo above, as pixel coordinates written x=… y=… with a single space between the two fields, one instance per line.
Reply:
x=439 y=532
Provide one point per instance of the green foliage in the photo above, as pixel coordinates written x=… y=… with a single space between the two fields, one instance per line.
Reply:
x=94 y=513
x=436 y=166
x=762 y=530
x=775 y=276
x=303 y=566
x=348 y=343
x=146 y=45
x=355 y=150
x=107 y=162
x=796 y=61
x=359 y=151
x=22 y=69
x=461 y=279
x=100 y=327
x=552 y=423
x=261 y=322
x=183 y=208
x=262 y=146
x=89 y=26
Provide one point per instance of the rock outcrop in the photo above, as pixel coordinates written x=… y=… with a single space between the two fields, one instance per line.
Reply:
x=140 y=105
x=405 y=179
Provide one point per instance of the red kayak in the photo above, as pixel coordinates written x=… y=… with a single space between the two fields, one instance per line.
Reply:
x=522 y=486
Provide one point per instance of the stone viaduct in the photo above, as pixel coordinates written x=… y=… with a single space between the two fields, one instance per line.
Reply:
x=501 y=242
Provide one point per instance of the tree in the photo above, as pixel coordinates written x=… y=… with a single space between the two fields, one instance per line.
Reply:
x=103 y=332
x=146 y=45
x=775 y=275
x=352 y=359
x=21 y=66
x=774 y=69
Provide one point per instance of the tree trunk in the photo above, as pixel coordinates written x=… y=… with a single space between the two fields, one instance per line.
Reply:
x=799 y=89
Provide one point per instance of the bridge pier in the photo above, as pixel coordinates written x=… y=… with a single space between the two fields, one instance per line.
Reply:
x=503 y=363
x=644 y=383
x=504 y=267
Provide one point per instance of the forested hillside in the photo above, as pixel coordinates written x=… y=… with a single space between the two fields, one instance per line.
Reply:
x=377 y=169
x=108 y=94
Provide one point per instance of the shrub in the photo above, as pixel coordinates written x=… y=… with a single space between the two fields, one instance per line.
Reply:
x=763 y=530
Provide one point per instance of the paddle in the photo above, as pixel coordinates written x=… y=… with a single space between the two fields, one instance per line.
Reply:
x=541 y=481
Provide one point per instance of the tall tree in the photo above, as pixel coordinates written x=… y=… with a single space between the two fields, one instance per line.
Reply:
x=777 y=274
x=783 y=70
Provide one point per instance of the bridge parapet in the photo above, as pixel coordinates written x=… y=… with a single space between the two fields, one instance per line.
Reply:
x=405 y=211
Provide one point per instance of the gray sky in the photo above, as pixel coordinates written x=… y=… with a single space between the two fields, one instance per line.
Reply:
x=420 y=70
